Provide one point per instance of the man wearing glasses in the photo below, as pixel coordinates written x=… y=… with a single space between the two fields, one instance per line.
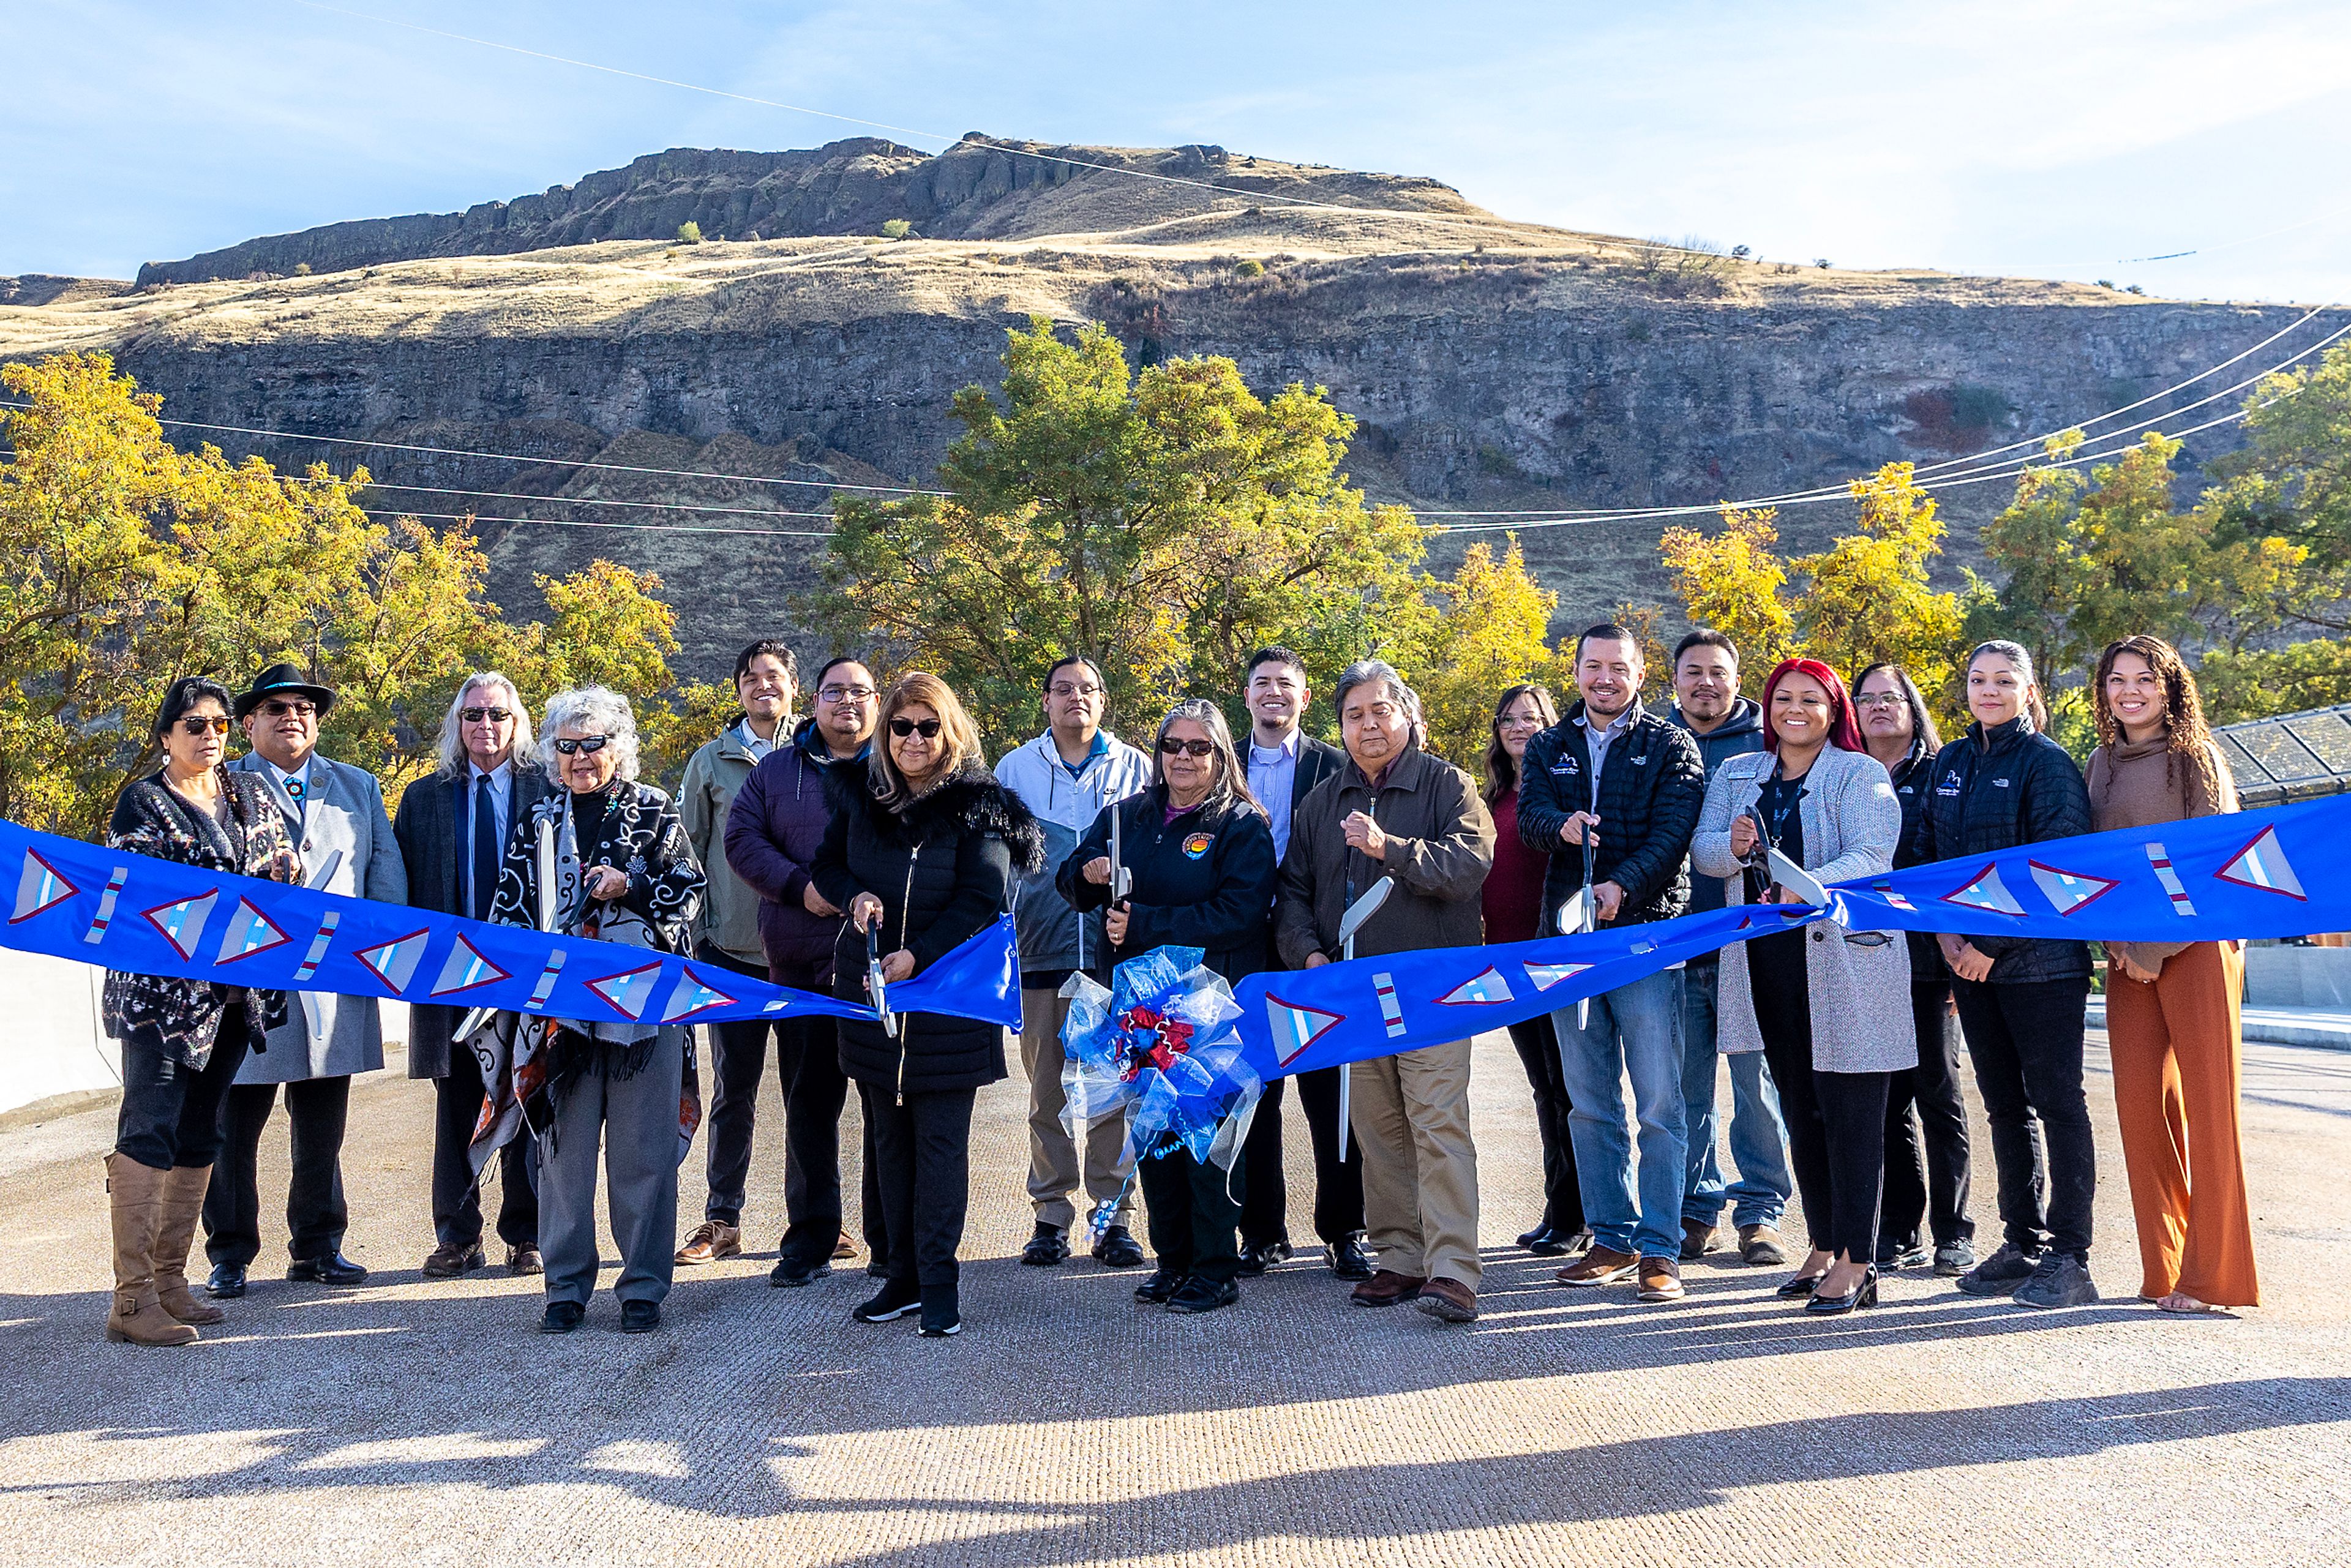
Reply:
x=334 y=815
x=1066 y=775
x=771 y=832
x=453 y=830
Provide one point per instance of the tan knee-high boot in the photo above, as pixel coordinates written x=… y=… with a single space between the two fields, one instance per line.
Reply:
x=175 y=1232
x=138 y=1317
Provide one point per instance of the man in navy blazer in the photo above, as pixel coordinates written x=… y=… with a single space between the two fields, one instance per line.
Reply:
x=453 y=830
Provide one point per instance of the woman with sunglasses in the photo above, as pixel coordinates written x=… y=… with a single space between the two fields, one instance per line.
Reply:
x=923 y=853
x=182 y=1041
x=1199 y=850
x=625 y=872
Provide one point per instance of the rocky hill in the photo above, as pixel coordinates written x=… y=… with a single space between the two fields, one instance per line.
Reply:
x=1492 y=365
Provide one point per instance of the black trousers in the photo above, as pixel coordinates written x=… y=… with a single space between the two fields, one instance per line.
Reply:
x=815 y=1090
x=1192 y=1216
x=456 y=1198
x=1538 y=1045
x=316 y=1214
x=1338 y=1184
x=1836 y=1121
x=171 y=1112
x=1927 y=1154
x=922 y=1149
x=2026 y=1040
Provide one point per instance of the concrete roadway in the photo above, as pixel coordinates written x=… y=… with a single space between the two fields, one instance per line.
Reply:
x=420 y=1424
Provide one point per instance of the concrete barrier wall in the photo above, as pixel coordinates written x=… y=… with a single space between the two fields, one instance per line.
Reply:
x=2281 y=977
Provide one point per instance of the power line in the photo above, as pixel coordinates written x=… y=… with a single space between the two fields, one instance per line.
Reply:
x=576 y=523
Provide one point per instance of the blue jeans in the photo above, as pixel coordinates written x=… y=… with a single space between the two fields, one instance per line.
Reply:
x=1635 y=1029
x=1758 y=1138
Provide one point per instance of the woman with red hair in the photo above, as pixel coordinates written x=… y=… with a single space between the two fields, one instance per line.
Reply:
x=1828 y=1008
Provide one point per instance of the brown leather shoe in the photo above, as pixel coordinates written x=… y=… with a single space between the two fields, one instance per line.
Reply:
x=452 y=1258
x=1386 y=1288
x=1661 y=1279
x=1599 y=1266
x=844 y=1248
x=1697 y=1240
x=711 y=1241
x=1447 y=1301
x=1760 y=1245
x=525 y=1259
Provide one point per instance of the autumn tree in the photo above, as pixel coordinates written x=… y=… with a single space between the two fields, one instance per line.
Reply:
x=1488 y=634
x=1735 y=581
x=1868 y=599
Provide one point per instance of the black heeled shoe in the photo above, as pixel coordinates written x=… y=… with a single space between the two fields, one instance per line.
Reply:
x=1802 y=1285
x=1863 y=1294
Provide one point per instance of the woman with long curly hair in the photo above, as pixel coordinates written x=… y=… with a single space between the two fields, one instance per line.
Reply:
x=2171 y=1006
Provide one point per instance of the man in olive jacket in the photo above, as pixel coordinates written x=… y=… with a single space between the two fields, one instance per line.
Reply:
x=1394 y=810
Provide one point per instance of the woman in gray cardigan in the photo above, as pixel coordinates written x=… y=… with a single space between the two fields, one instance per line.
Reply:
x=1828 y=1008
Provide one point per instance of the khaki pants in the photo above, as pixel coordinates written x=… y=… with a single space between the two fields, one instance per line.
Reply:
x=1052 y=1156
x=1411 y=1113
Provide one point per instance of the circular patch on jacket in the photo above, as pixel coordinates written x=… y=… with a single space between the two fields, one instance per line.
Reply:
x=1198 y=845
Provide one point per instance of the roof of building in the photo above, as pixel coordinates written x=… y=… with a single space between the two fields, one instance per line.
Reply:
x=2293 y=757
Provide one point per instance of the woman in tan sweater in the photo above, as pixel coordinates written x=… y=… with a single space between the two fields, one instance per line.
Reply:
x=2171 y=1006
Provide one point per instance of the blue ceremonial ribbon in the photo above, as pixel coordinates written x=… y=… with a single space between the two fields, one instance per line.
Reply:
x=148 y=916
x=2209 y=879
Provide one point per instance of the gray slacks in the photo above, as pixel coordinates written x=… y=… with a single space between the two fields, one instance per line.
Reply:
x=634 y=1120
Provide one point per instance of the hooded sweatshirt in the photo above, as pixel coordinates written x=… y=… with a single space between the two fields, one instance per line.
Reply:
x=1738 y=734
x=1054 y=938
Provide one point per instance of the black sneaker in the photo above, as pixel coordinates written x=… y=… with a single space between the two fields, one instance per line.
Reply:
x=1048 y=1247
x=1162 y=1283
x=1199 y=1295
x=1910 y=1254
x=942 y=1315
x=896 y=1301
x=2062 y=1280
x=792 y=1271
x=2002 y=1273
x=1118 y=1249
x=1955 y=1259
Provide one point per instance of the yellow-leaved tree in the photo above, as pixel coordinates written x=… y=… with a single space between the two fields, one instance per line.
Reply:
x=1489 y=632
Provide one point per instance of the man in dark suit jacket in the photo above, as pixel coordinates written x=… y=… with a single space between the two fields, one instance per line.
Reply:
x=1284 y=764
x=453 y=830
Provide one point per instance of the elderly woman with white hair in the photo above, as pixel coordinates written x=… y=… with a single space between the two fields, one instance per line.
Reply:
x=625 y=872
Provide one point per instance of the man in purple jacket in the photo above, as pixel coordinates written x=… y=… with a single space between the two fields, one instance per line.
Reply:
x=778 y=820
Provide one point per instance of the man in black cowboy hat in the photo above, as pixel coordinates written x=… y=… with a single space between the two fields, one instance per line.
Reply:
x=334 y=813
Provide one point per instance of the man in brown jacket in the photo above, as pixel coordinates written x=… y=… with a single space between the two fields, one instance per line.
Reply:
x=1394 y=810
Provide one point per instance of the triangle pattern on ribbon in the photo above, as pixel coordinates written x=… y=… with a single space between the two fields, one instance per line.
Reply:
x=2069 y=890
x=183 y=923
x=464 y=969
x=2262 y=864
x=42 y=887
x=1985 y=891
x=1478 y=990
x=693 y=995
x=628 y=991
x=1546 y=975
x=1295 y=1027
x=249 y=932
x=394 y=962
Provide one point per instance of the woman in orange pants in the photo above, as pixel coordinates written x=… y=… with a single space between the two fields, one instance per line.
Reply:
x=2171 y=1009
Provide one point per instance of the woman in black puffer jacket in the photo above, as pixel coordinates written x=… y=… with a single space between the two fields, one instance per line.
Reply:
x=2020 y=999
x=926 y=850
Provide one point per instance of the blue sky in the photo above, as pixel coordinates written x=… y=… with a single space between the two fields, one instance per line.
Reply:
x=2047 y=139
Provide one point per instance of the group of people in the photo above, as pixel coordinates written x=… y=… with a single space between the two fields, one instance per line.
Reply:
x=798 y=844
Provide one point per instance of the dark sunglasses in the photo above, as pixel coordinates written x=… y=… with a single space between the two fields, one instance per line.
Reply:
x=197 y=723
x=278 y=707
x=929 y=728
x=589 y=743
x=1171 y=746
x=476 y=715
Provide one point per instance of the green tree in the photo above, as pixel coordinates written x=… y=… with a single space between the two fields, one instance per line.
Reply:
x=1867 y=597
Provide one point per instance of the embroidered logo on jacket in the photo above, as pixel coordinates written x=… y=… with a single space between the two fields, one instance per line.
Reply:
x=1198 y=845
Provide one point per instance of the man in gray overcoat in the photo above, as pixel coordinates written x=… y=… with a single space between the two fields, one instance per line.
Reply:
x=334 y=813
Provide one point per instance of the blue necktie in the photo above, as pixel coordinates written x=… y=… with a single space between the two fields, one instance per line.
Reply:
x=486 y=848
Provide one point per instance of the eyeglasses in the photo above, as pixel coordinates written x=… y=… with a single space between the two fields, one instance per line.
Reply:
x=1521 y=721
x=278 y=707
x=1063 y=689
x=476 y=715
x=589 y=743
x=929 y=728
x=846 y=694
x=1171 y=746
x=1878 y=699
x=199 y=724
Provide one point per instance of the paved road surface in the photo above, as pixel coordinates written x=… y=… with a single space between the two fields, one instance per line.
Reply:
x=424 y=1424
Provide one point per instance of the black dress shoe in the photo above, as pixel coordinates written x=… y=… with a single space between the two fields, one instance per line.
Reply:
x=1162 y=1283
x=1199 y=1295
x=1544 y=1241
x=1118 y=1249
x=1048 y=1247
x=326 y=1269
x=562 y=1317
x=640 y=1317
x=226 y=1284
x=1347 y=1260
x=1863 y=1294
x=1803 y=1285
x=1259 y=1255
